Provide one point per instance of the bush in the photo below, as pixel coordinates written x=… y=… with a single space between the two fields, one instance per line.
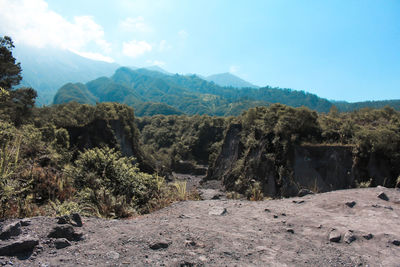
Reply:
x=105 y=177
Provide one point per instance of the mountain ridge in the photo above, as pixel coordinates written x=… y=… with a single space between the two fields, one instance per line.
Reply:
x=185 y=93
x=229 y=80
x=48 y=70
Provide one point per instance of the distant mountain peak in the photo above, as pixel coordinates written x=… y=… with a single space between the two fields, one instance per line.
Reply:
x=229 y=79
x=159 y=69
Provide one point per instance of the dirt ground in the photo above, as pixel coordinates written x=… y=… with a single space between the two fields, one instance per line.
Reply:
x=284 y=232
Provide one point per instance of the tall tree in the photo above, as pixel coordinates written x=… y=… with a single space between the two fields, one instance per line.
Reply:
x=10 y=71
x=15 y=105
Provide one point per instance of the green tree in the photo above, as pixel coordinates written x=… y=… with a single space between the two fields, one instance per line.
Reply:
x=16 y=105
x=10 y=71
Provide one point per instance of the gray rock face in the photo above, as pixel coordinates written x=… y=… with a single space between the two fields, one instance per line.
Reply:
x=17 y=247
x=65 y=231
x=334 y=236
x=13 y=229
x=325 y=167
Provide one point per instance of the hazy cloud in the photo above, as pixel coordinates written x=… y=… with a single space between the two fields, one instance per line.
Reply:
x=156 y=63
x=31 y=22
x=135 y=48
x=164 y=46
x=134 y=25
x=234 y=69
x=94 y=56
x=183 y=34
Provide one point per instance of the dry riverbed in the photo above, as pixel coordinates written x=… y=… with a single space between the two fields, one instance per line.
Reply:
x=341 y=228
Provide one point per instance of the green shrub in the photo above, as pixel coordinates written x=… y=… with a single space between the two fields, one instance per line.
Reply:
x=254 y=193
x=233 y=195
x=112 y=180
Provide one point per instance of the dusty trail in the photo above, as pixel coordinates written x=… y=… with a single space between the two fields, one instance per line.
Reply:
x=286 y=232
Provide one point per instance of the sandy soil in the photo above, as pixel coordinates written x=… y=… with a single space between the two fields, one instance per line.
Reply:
x=285 y=232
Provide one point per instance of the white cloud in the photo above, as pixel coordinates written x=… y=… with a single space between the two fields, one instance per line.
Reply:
x=142 y=6
x=134 y=25
x=183 y=34
x=156 y=63
x=31 y=22
x=135 y=48
x=163 y=46
x=94 y=56
x=234 y=69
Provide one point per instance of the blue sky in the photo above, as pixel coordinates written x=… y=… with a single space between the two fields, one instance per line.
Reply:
x=341 y=50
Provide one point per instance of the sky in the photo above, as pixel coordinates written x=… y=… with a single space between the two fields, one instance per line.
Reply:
x=338 y=49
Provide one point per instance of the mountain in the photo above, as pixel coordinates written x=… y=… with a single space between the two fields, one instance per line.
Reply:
x=345 y=106
x=46 y=70
x=229 y=80
x=159 y=69
x=153 y=92
x=77 y=92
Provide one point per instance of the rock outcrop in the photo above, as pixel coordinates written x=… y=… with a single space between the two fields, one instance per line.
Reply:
x=284 y=169
x=112 y=133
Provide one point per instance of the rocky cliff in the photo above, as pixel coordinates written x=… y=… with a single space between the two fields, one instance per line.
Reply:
x=282 y=169
x=113 y=133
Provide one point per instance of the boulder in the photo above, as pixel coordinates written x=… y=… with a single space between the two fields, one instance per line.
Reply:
x=383 y=196
x=12 y=229
x=210 y=194
x=350 y=204
x=396 y=242
x=61 y=243
x=334 y=236
x=14 y=248
x=74 y=219
x=65 y=231
x=63 y=219
x=349 y=237
x=368 y=236
x=217 y=211
x=159 y=245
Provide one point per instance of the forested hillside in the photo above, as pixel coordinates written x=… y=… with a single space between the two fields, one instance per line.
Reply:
x=152 y=92
x=187 y=94
x=344 y=106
